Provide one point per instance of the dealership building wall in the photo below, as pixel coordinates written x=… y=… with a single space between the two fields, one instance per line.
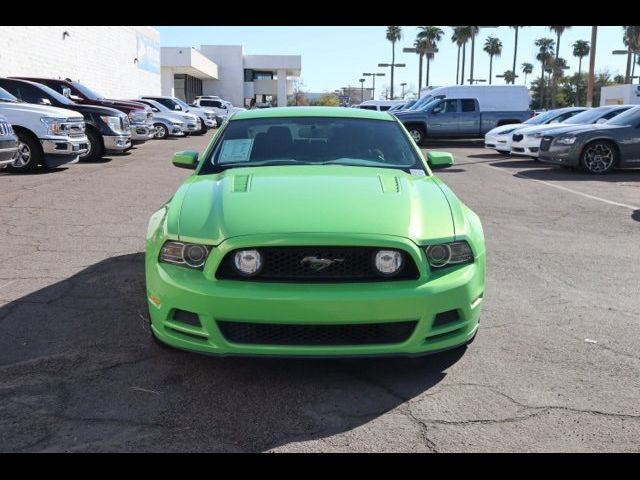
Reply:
x=115 y=61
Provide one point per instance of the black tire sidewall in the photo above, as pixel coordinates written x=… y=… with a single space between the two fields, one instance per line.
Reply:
x=37 y=156
x=97 y=149
x=420 y=131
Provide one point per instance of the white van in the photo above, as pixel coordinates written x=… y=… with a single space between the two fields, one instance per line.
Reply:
x=490 y=97
x=379 y=105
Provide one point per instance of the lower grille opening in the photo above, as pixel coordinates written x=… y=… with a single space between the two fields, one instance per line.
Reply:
x=189 y=318
x=445 y=318
x=445 y=336
x=188 y=335
x=306 y=335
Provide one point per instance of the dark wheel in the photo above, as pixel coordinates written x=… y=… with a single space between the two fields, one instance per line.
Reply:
x=96 y=147
x=161 y=131
x=417 y=133
x=203 y=128
x=29 y=154
x=599 y=157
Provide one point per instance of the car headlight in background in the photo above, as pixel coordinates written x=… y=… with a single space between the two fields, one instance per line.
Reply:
x=448 y=254
x=506 y=132
x=535 y=135
x=138 y=116
x=247 y=262
x=114 y=123
x=54 y=125
x=189 y=255
x=388 y=262
x=566 y=140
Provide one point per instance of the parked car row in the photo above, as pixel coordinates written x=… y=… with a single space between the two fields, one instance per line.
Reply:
x=56 y=122
x=595 y=139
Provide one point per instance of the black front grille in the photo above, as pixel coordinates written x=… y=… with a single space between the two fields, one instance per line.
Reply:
x=289 y=334
x=351 y=264
x=517 y=137
x=545 y=143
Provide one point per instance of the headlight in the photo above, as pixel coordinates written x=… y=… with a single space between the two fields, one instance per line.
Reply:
x=247 y=262
x=505 y=132
x=209 y=116
x=566 y=140
x=535 y=135
x=137 y=116
x=388 y=262
x=54 y=125
x=448 y=254
x=114 y=123
x=186 y=254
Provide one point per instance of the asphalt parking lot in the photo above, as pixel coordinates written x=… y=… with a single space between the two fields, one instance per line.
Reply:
x=555 y=365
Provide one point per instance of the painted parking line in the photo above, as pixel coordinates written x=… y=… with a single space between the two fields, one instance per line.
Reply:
x=560 y=187
x=8 y=283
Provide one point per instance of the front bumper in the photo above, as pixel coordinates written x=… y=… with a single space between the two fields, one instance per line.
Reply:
x=63 y=150
x=8 y=151
x=116 y=143
x=142 y=132
x=568 y=155
x=210 y=123
x=528 y=146
x=192 y=127
x=171 y=287
x=502 y=143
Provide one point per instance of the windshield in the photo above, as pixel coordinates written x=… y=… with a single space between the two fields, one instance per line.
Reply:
x=630 y=117
x=87 y=92
x=154 y=104
x=313 y=141
x=58 y=98
x=6 y=96
x=543 y=118
x=184 y=106
x=588 y=116
x=420 y=103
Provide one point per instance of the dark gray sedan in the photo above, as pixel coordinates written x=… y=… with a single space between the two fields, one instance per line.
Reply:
x=596 y=148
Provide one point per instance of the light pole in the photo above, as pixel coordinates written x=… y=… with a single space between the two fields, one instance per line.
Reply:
x=373 y=76
x=631 y=54
x=361 y=90
x=403 y=85
x=503 y=76
x=592 y=65
x=392 y=65
x=426 y=52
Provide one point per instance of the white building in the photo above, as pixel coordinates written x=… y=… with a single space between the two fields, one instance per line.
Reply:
x=227 y=72
x=115 y=61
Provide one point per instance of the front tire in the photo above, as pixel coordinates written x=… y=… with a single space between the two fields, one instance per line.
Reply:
x=417 y=133
x=96 y=147
x=30 y=154
x=161 y=131
x=599 y=157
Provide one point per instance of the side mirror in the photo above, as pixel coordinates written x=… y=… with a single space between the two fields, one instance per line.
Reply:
x=439 y=159
x=44 y=101
x=436 y=110
x=177 y=107
x=187 y=159
x=601 y=120
x=66 y=91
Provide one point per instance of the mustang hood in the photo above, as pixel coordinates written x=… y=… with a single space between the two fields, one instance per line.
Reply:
x=312 y=199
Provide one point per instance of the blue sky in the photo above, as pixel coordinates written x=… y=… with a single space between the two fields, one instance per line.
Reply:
x=334 y=57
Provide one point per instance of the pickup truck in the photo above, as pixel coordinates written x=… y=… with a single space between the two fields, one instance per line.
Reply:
x=107 y=128
x=8 y=143
x=48 y=136
x=455 y=118
x=140 y=116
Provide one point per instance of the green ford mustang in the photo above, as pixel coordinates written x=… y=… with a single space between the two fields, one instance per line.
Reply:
x=314 y=232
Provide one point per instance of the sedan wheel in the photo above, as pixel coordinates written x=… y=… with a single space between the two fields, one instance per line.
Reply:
x=161 y=131
x=599 y=158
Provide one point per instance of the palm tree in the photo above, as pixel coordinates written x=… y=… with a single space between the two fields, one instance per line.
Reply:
x=421 y=49
x=545 y=53
x=509 y=76
x=631 y=39
x=527 y=68
x=581 y=49
x=462 y=34
x=618 y=79
x=515 y=47
x=493 y=46
x=393 y=35
x=432 y=35
x=458 y=39
x=559 y=30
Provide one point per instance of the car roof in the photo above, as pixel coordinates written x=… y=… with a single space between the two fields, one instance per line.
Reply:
x=336 y=112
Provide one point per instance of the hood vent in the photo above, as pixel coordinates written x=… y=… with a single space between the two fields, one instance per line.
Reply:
x=241 y=183
x=389 y=184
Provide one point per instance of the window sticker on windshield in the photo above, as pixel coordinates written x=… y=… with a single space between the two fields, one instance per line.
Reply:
x=236 y=150
x=417 y=172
